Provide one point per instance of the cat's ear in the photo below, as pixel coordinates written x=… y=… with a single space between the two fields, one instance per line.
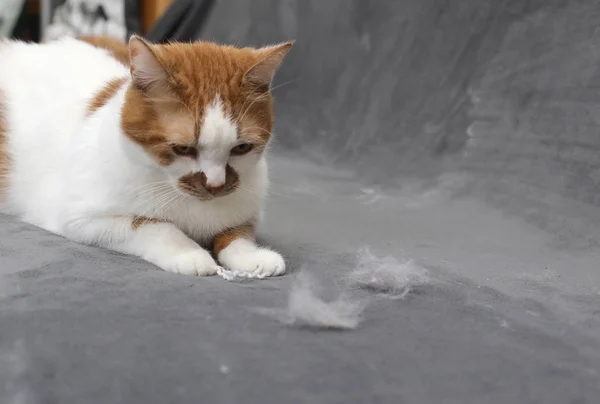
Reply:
x=260 y=76
x=146 y=70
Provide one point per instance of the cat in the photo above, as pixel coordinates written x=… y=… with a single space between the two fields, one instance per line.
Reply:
x=158 y=157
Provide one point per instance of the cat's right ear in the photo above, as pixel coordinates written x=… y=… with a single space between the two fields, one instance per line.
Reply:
x=146 y=71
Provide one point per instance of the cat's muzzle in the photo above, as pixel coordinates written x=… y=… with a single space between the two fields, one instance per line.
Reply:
x=195 y=184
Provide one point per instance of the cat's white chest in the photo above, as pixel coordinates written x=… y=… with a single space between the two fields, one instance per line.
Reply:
x=202 y=221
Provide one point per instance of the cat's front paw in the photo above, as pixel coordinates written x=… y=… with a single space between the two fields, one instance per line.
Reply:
x=195 y=262
x=252 y=262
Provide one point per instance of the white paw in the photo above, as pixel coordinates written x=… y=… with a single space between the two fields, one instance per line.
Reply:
x=194 y=262
x=251 y=262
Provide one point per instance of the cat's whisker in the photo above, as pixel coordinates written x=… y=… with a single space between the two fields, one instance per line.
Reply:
x=167 y=202
x=263 y=97
x=148 y=189
x=159 y=198
x=143 y=202
x=283 y=84
x=149 y=184
x=152 y=211
x=249 y=129
x=150 y=192
x=255 y=100
x=150 y=204
x=140 y=201
x=178 y=201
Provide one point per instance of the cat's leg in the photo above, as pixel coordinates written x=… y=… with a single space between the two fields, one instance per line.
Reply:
x=237 y=251
x=160 y=243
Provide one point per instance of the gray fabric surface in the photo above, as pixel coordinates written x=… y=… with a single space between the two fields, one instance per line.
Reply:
x=461 y=135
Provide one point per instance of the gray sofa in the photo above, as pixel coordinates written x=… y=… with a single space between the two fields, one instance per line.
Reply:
x=460 y=135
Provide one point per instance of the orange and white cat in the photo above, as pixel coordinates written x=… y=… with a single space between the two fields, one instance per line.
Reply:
x=154 y=158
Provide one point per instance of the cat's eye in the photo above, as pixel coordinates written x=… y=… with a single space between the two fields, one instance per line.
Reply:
x=242 y=148
x=182 y=150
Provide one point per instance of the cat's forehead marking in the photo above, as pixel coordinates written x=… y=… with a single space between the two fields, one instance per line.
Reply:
x=218 y=130
x=218 y=134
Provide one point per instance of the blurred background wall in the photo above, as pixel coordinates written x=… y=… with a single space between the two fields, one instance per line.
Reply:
x=37 y=20
x=504 y=91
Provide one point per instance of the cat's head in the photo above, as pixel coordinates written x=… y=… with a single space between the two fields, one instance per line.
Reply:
x=202 y=112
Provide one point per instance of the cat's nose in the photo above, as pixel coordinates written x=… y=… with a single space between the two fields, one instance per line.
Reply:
x=215 y=177
x=214 y=189
x=214 y=183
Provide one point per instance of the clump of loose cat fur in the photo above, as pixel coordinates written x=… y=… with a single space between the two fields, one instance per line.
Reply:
x=305 y=308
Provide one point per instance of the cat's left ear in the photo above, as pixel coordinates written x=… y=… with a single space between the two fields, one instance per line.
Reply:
x=261 y=74
x=146 y=70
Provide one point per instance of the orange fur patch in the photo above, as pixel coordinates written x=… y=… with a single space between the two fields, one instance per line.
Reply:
x=195 y=74
x=102 y=97
x=5 y=160
x=139 y=221
x=117 y=48
x=141 y=123
x=227 y=237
